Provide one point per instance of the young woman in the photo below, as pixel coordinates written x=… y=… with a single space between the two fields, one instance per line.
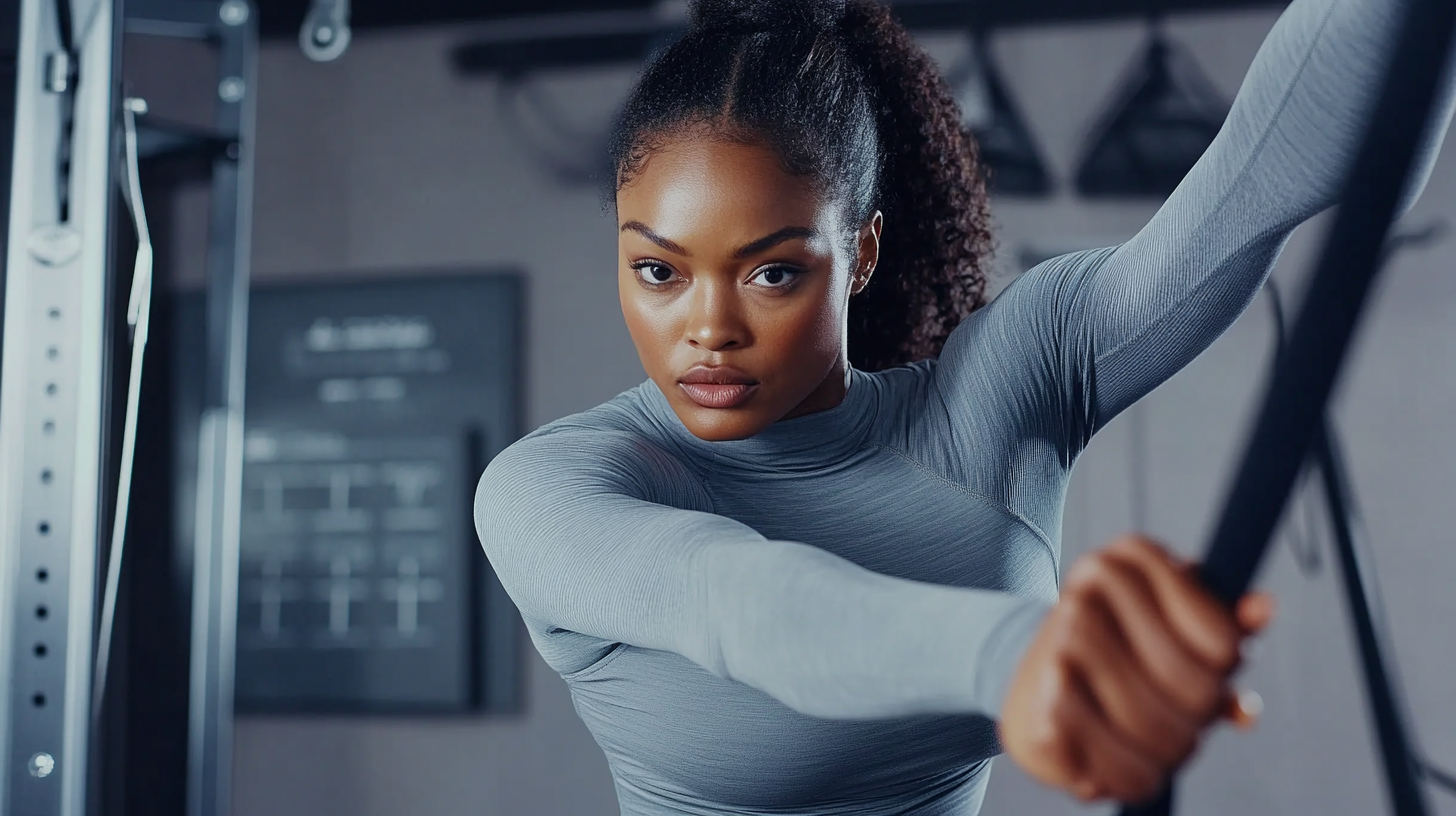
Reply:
x=811 y=565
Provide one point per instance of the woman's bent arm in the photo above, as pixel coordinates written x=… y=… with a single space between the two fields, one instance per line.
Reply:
x=581 y=529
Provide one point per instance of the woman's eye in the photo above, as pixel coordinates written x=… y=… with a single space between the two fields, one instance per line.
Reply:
x=776 y=277
x=654 y=273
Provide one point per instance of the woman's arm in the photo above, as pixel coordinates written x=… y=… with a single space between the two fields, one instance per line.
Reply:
x=1112 y=324
x=580 y=529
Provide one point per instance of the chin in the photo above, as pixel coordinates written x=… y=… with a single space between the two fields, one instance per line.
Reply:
x=721 y=424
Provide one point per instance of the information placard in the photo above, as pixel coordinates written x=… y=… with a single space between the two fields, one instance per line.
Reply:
x=372 y=408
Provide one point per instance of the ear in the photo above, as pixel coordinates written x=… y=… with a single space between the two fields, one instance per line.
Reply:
x=868 y=254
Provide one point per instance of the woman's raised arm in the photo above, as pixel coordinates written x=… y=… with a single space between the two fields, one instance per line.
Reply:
x=1115 y=323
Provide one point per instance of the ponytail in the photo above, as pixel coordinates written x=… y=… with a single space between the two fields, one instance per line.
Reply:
x=842 y=93
x=936 y=243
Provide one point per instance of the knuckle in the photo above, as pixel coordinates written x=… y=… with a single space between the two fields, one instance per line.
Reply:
x=1076 y=607
x=1045 y=739
x=1226 y=655
x=1137 y=546
x=1082 y=574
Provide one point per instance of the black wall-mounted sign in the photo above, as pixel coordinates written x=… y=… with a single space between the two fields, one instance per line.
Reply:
x=372 y=408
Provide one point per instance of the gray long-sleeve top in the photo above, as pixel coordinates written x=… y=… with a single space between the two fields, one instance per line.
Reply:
x=824 y=618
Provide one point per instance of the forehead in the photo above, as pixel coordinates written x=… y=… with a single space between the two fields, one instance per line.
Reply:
x=698 y=186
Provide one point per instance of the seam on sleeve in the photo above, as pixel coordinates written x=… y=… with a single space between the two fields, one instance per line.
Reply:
x=1234 y=186
x=1177 y=307
x=604 y=661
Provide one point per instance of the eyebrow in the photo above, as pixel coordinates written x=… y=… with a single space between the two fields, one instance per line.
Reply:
x=748 y=249
x=771 y=240
x=646 y=232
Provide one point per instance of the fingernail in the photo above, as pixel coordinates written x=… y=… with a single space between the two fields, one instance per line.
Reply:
x=1250 y=706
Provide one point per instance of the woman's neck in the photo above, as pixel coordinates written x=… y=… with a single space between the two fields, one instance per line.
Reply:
x=829 y=393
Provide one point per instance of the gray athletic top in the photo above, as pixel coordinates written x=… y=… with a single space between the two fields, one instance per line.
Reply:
x=823 y=619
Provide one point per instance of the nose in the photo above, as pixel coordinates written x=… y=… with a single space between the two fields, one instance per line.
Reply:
x=716 y=318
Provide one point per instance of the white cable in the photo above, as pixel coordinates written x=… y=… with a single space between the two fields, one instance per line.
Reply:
x=138 y=317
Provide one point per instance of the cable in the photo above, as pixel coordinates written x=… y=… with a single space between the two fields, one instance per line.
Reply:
x=569 y=154
x=1442 y=779
x=138 y=317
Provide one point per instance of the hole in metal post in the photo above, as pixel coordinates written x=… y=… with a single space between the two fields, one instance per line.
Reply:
x=42 y=612
x=40 y=650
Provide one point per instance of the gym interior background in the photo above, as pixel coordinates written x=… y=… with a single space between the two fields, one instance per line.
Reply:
x=413 y=157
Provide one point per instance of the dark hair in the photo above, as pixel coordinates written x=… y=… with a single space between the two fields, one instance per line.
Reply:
x=840 y=91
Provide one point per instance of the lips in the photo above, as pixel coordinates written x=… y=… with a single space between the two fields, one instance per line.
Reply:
x=717 y=386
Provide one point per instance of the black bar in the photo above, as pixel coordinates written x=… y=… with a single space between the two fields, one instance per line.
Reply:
x=926 y=14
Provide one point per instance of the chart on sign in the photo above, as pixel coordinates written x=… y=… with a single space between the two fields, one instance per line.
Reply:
x=372 y=408
x=354 y=584
x=344 y=540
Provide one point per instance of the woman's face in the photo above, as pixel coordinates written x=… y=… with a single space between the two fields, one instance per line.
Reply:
x=735 y=278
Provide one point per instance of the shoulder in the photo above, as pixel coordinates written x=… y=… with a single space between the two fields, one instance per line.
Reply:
x=1029 y=323
x=614 y=448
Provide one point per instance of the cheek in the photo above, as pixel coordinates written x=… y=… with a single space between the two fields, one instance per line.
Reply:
x=649 y=324
x=812 y=331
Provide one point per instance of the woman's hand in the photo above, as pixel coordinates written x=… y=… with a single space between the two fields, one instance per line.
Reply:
x=1129 y=668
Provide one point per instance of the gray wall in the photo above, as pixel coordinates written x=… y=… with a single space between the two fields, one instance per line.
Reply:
x=384 y=163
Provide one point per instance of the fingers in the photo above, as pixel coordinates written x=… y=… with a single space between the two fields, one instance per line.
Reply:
x=1131 y=665
x=1109 y=766
x=1141 y=713
x=1169 y=663
x=1096 y=763
x=1201 y=622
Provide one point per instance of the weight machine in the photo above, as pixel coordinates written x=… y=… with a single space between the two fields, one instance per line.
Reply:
x=75 y=323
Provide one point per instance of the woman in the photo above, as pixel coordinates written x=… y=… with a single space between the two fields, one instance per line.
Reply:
x=810 y=566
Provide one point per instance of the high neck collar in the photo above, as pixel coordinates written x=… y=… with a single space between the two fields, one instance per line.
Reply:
x=803 y=443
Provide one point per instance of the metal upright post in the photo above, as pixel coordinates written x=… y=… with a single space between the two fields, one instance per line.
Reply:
x=232 y=25
x=53 y=398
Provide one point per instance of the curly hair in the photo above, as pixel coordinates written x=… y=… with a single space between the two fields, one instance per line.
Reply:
x=839 y=90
